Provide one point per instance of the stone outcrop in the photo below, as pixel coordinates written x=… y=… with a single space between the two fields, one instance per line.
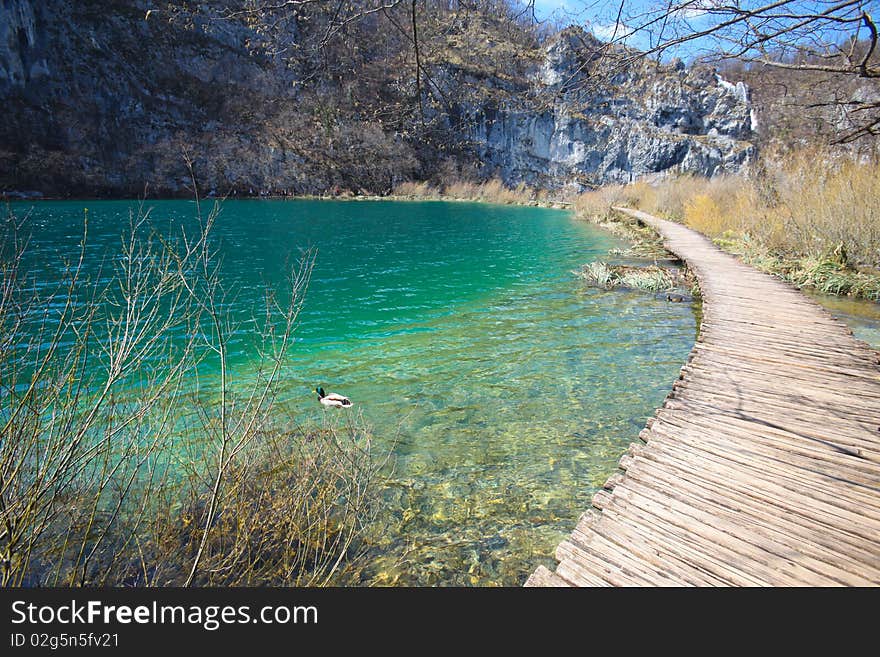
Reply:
x=20 y=62
x=103 y=98
x=651 y=119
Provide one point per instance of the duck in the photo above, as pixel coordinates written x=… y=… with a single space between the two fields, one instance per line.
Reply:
x=332 y=399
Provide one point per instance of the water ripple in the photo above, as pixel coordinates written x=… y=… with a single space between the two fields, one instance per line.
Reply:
x=459 y=331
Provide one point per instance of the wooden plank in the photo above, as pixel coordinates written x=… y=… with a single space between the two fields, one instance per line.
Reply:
x=852 y=565
x=681 y=544
x=787 y=498
x=655 y=552
x=815 y=445
x=751 y=507
x=761 y=471
x=786 y=416
x=762 y=466
x=757 y=559
x=545 y=577
x=617 y=565
x=751 y=456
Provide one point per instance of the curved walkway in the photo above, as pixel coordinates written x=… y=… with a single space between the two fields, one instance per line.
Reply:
x=763 y=465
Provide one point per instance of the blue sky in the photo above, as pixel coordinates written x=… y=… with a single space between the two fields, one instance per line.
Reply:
x=599 y=16
x=544 y=9
x=593 y=11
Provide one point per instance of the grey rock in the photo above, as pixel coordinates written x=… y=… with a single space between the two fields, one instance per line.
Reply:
x=104 y=98
x=19 y=62
x=655 y=119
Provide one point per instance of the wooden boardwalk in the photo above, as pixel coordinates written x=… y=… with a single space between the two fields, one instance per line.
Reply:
x=763 y=465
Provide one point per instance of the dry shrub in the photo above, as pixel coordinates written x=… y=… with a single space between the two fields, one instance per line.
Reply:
x=826 y=203
x=721 y=205
x=802 y=204
x=495 y=192
x=422 y=189
x=640 y=195
x=596 y=204
x=544 y=196
x=491 y=191
x=294 y=510
x=809 y=216
x=99 y=395
x=672 y=195
x=703 y=213
x=461 y=190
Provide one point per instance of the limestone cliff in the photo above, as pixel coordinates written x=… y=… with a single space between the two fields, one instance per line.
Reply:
x=650 y=119
x=104 y=97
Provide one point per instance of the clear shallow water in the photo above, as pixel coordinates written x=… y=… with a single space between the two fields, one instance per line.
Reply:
x=507 y=389
x=863 y=317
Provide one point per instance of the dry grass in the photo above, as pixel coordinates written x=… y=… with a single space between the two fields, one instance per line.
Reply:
x=652 y=278
x=417 y=190
x=808 y=204
x=491 y=191
x=810 y=217
x=596 y=206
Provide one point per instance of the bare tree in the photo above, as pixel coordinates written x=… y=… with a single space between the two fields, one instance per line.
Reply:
x=88 y=376
x=101 y=393
x=829 y=38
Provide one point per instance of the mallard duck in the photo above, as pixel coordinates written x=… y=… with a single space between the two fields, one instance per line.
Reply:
x=334 y=400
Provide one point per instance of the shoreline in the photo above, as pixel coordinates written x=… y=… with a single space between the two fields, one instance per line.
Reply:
x=733 y=361
x=817 y=275
x=866 y=286
x=555 y=205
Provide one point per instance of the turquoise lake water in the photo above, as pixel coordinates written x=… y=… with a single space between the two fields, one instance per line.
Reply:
x=507 y=389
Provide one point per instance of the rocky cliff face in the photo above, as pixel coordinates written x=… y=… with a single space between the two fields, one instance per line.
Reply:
x=19 y=62
x=103 y=98
x=651 y=119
